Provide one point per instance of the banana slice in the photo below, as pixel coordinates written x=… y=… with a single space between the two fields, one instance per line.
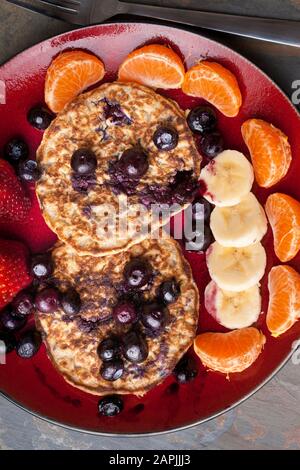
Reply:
x=236 y=269
x=227 y=178
x=233 y=309
x=240 y=225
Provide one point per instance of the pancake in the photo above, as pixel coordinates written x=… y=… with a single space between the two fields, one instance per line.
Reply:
x=109 y=120
x=72 y=341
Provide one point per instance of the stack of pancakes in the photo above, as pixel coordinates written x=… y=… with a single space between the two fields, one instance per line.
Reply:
x=90 y=257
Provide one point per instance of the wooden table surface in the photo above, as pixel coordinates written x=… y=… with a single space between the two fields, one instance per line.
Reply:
x=271 y=418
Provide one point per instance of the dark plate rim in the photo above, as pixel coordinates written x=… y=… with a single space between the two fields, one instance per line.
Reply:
x=275 y=371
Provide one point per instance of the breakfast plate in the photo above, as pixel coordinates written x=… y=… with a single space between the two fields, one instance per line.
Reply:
x=35 y=384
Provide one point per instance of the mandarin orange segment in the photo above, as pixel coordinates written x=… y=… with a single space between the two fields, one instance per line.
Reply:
x=70 y=74
x=155 y=65
x=216 y=84
x=229 y=352
x=283 y=213
x=284 y=301
x=269 y=149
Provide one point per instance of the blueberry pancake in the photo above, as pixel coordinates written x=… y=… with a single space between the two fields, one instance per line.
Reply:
x=129 y=320
x=110 y=155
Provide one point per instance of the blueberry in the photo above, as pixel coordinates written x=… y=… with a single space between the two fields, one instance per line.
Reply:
x=212 y=144
x=186 y=369
x=71 y=302
x=154 y=316
x=169 y=291
x=110 y=406
x=204 y=241
x=42 y=266
x=40 y=118
x=29 y=171
x=114 y=113
x=84 y=162
x=112 y=370
x=47 y=300
x=29 y=344
x=133 y=163
x=165 y=138
x=201 y=209
x=134 y=347
x=23 y=304
x=137 y=273
x=9 y=342
x=202 y=119
x=109 y=349
x=11 y=321
x=125 y=312
x=16 y=150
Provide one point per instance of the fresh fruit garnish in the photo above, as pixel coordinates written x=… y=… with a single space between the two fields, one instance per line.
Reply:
x=216 y=84
x=284 y=299
x=42 y=266
x=233 y=309
x=112 y=370
x=47 y=300
x=165 y=138
x=186 y=369
x=29 y=171
x=154 y=65
x=236 y=269
x=134 y=347
x=201 y=120
x=154 y=316
x=227 y=179
x=211 y=144
x=283 y=213
x=133 y=163
x=22 y=304
x=9 y=341
x=125 y=312
x=29 y=344
x=10 y=321
x=109 y=349
x=71 y=302
x=137 y=273
x=269 y=149
x=14 y=203
x=69 y=74
x=110 y=406
x=16 y=150
x=14 y=273
x=239 y=225
x=40 y=118
x=229 y=352
x=84 y=162
x=169 y=291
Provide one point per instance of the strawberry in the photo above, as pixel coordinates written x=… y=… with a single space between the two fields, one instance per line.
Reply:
x=14 y=203
x=14 y=272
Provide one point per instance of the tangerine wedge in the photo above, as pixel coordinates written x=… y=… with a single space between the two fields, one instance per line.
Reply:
x=155 y=65
x=269 y=149
x=284 y=302
x=283 y=213
x=216 y=84
x=229 y=352
x=70 y=74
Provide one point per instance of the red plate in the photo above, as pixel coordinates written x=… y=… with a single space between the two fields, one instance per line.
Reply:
x=34 y=384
